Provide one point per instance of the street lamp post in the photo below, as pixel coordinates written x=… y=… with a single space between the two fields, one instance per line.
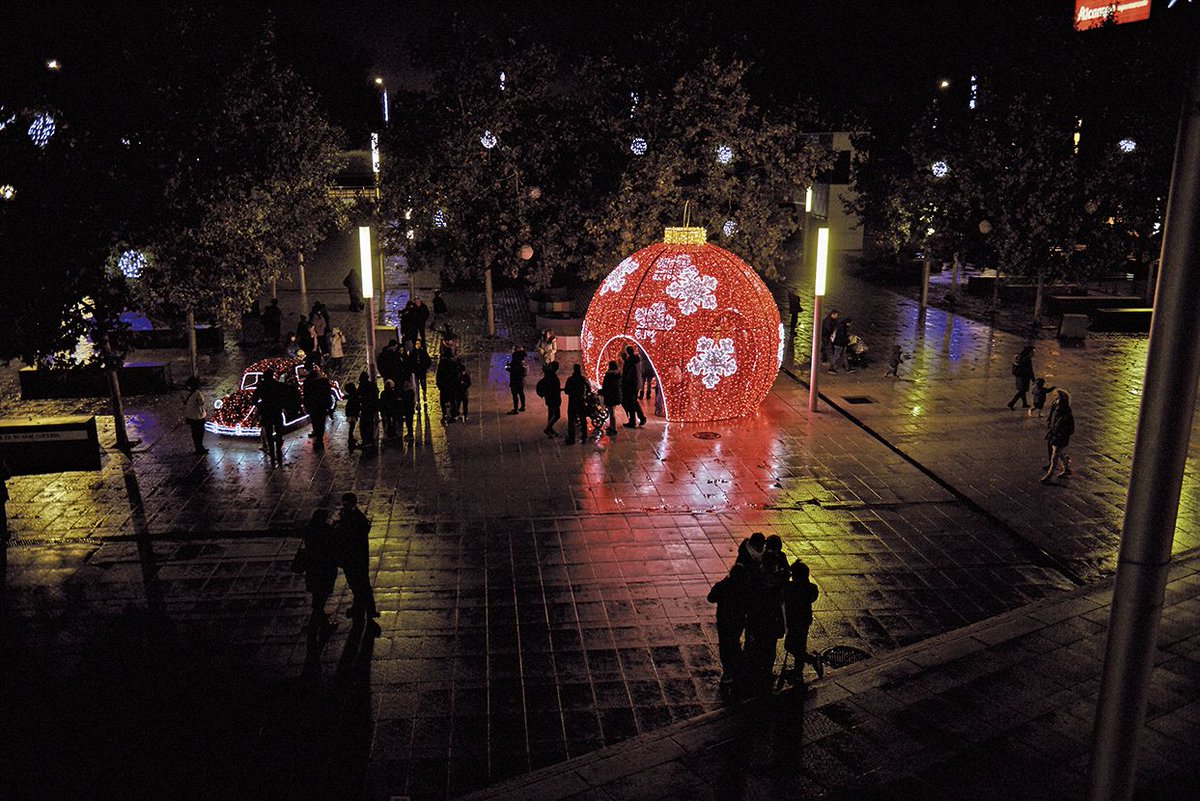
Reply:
x=818 y=293
x=368 y=291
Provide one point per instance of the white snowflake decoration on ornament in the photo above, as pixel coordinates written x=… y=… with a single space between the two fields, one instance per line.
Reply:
x=693 y=290
x=488 y=140
x=668 y=268
x=638 y=146
x=41 y=129
x=652 y=320
x=779 y=352
x=713 y=360
x=615 y=281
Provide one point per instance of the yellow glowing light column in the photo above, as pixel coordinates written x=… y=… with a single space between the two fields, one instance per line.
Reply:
x=818 y=293
x=368 y=292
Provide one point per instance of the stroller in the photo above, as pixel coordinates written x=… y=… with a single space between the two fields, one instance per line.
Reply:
x=856 y=353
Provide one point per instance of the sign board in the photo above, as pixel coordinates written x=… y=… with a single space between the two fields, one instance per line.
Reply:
x=49 y=445
x=1094 y=13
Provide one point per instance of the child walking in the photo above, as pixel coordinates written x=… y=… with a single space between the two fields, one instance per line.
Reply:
x=1040 y=391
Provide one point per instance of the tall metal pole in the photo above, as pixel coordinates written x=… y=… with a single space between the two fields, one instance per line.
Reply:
x=815 y=369
x=303 y=288
x=1159 y=453
x=822 y=264
x=368 y=286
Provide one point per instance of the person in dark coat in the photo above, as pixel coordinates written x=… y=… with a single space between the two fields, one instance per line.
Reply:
x=317 y=393
x=418 y=365
x=610 y=393
x=827 y=327
x=439 y=304
x=1022 y=370
x=353 y=410
x=446 y=379
x=353 y=285
x=389 y=408
x=320 y=568
x=841 y=343
x=764 y=614
x=389 y=362
x=575 y=389
x=272 y=320
x=408 y=327
x=420 y=318
x=407 y=409
x=462 y=391
x=798 y=597
x=731 y=595
x=304 y=335
x=1060 y=426
x=368 y=407
x=353 y=537
x=516 y=378
x=268 y=397
x=550 y=390
x=631 y=379
x=794 y=309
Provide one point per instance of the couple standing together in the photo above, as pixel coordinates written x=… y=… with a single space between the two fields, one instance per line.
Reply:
x=329 y=544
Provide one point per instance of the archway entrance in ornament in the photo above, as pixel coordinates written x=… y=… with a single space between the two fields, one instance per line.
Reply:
x=612 y=350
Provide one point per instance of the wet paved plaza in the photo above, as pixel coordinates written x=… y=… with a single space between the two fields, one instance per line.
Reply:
x=540 y=601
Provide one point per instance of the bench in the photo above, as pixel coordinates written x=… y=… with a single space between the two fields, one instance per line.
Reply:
x=1086 y=304
x=980 y=284
x=137 y=378
x=1134 y=320
x=1073 y=327
x=208 y=337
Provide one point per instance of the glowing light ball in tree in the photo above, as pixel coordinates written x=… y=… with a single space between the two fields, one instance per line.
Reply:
x=704 y=319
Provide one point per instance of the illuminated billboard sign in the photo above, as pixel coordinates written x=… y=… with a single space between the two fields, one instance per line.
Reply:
x=1094 y=13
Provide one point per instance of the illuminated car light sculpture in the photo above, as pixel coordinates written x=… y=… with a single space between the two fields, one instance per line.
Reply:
x=235 y=415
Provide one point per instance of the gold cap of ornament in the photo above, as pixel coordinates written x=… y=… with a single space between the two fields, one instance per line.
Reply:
x=685 y=236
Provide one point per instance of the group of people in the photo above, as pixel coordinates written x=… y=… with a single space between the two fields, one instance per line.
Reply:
x=1060 y=419
x=272 y=397
x=623 y=385
x=762 y=599
x=341 y=542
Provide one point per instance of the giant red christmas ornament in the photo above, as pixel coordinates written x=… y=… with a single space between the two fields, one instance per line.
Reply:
x=704 y=319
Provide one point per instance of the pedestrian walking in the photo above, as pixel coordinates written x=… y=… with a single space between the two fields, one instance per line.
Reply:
x=337 y=349
x=828 y=325
x=576 y=389
x=446 y=380
x=1040 y=391
x=549 y=390
x=354 y=290
x=516 y=378
x=317 y=393
x=418 y=365
x=462 y=392
x=794 y=309
x=799 y=594
x=439 y=304
x=195 y=412
x=368 y=409
x=353 y=537
x=320 y=325
x=408 y=409
x=269 y=399
x=1060 y=426
x=630 y=380
x=318 y=561
x=303 y=336
x=353 y=409
x=389 y=362
x=649 y=381
x=731 y=595
x=389 y=408
x=272 y=320
x=420 y=319
x=894 y=362
x=547 y=347
x=1022 y=370
x=610 y=393
x=840 y=342
x=408 y=321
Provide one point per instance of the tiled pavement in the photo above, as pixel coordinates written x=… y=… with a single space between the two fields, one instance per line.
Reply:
x=540 y=601
x=998 y=710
